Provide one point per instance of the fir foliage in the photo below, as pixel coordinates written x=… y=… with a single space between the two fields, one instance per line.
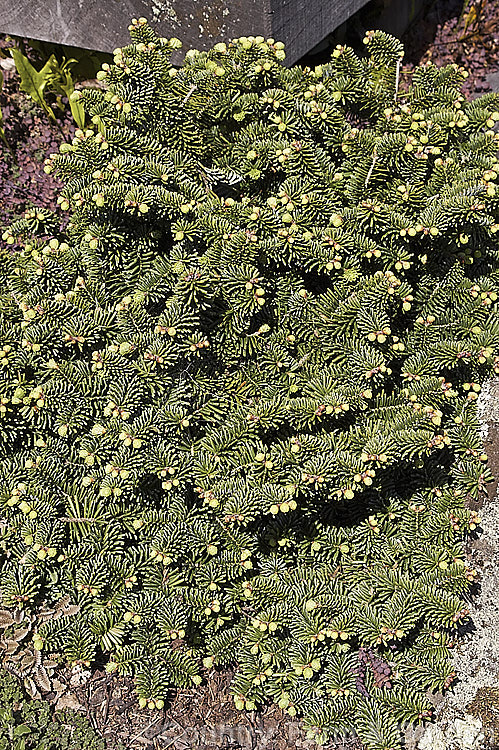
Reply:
x=239 y=390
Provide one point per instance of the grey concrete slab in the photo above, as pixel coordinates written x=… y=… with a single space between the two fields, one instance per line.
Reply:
x=92 y=24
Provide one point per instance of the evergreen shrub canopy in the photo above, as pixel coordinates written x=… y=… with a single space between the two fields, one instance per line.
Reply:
x=239 y=390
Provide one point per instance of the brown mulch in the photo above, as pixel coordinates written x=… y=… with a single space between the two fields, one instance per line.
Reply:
x=203 y=718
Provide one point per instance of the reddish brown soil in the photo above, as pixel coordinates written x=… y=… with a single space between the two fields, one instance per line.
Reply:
x=465 y=32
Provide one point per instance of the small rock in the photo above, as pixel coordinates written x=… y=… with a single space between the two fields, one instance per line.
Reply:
x=433 y=739
x=69 y=701
x=493 y=80
x=7 y=63
x=468 y=733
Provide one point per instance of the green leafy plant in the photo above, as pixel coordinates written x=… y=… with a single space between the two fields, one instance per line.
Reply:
x=87 y=62
x=32 y=81
x=54 y=77
x=239 y=389
x=471 y=23
x=34 y=725
x=62 y=84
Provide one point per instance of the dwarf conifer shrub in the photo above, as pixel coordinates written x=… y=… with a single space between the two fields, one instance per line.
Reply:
x=239 y=390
